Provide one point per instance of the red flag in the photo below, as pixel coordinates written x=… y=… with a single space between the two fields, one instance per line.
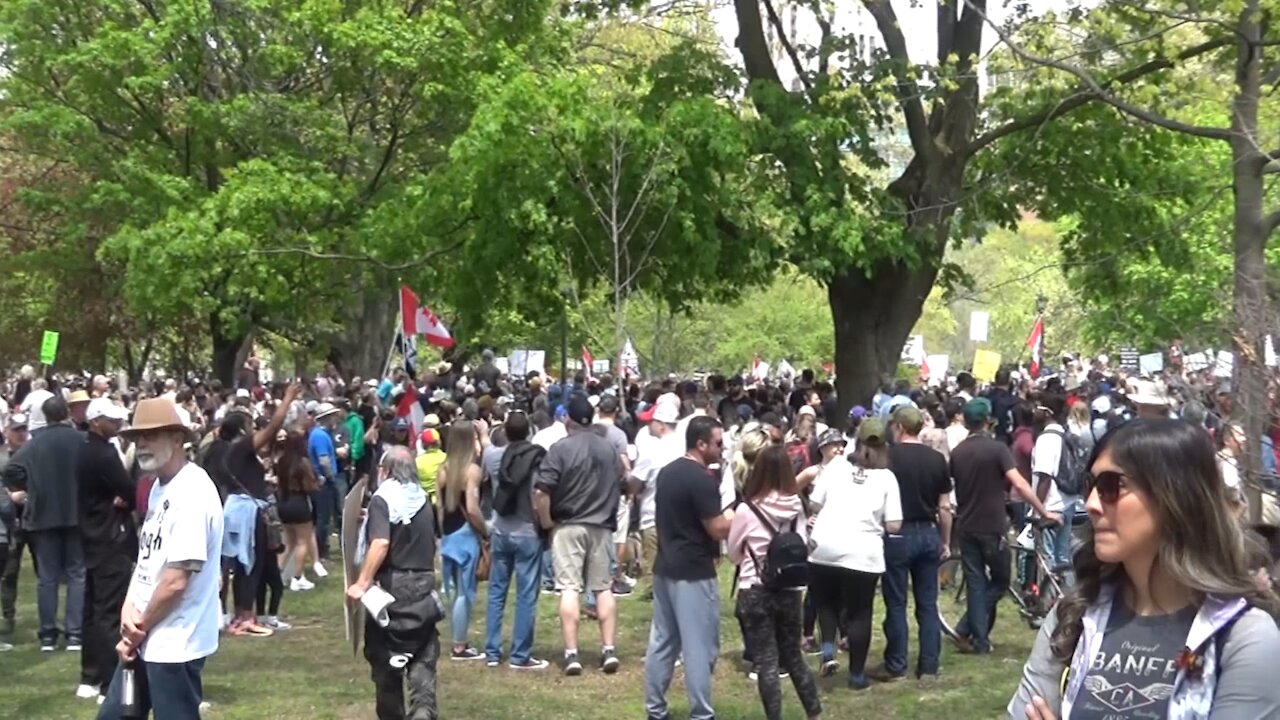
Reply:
x=587 y=360
x=419 y=320
x=1036 y=344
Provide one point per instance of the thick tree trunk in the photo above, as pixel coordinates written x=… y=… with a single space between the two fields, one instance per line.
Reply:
x=230 y=350
x=368 y=330
x=873 y=316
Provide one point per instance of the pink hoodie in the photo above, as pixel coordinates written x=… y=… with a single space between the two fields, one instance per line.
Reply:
x=746 y=532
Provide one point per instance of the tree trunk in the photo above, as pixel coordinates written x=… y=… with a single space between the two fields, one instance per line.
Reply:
x=368 y=330
x=230 y=350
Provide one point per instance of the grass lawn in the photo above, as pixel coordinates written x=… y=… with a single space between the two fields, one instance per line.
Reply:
x=309 y=673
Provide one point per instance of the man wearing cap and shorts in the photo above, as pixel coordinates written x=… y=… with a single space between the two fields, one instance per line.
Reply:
x=170 y=616
x=576 y=494
x=110 y=540
x=606 y=422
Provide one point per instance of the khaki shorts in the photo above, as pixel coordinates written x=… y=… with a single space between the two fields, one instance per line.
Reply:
x=580 y=557
x=624 y=521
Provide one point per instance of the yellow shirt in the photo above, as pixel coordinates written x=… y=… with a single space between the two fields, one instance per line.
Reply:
x=429 y=464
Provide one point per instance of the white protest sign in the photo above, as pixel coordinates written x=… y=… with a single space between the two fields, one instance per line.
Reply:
x=519 y=363
x=913 y=350
x=503 y=366
x=1225 y=364
x=979 y=321
x=538 y=361
x=938 y=365
x=1196 y=362
x=1151 y=363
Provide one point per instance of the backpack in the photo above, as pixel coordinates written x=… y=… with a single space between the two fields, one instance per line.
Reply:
x=786 y=560
x=506 y=496
x=1071 y=464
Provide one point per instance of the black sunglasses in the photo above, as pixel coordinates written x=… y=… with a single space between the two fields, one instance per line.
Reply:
x=1108 y=483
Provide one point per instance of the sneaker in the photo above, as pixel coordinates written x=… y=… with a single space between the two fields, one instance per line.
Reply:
x=620 y=588
x=829 y=667
x=86 y=692
x=466 y=653
x=630 y=581
x=47 y=646
x=811 y=647
x=74 y=645
x=572 y=668
x=858 y=682
x=300 y=584
x=274 y=622
x=319 y=570
x=609 y=662
x=5 y=647
x=754 y=675
x=493 y=662
x=882 y=674
x=532 y=663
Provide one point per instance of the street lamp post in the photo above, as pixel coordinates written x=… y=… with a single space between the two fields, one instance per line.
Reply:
x=564 y=343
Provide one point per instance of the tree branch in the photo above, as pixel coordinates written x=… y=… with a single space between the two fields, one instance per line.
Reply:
x=1212 y=133
x=1271 y=222
x=1085 y=95
x=907 y=90
x=318 y=255
x=786 y=45
x=750 y=41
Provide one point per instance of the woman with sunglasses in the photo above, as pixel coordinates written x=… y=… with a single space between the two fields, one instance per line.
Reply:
x=1165 y=620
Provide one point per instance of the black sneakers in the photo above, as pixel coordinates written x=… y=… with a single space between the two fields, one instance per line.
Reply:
x=572 y=668
x=608 y=662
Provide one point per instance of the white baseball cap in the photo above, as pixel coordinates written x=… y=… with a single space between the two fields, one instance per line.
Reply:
x=104 y=408
x=666 y=413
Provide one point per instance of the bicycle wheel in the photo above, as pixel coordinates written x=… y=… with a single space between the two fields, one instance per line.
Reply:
x=951 y=596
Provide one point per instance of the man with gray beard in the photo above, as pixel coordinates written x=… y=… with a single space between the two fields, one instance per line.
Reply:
x=169 y=622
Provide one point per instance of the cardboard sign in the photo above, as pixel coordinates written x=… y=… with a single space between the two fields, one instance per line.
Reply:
x=519 y=363
x=1151 y=363
x=352 y=612
x=985 y=365
x=1129 y=359
x=49 y=347
x=979 y=321
x=1225 y=364
x=939 y=365
x=537 y=362
x=1196 y=362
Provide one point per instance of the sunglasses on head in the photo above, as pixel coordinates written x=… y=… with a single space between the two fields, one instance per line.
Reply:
x=1108 y=484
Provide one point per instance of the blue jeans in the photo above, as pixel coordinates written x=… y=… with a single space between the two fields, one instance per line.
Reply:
x=459 y=552
x=686 y=622
x=981 y=553
x=59 y=559
x=914 y=553
x=174 y=688
x=548 y=571
x=523 y=557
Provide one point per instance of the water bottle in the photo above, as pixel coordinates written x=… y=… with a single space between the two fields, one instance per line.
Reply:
x=133 y=690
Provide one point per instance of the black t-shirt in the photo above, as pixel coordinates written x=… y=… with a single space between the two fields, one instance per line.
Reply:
x=922 y=477
x=979 y=464
x=413 y=546
x=243 y=464
x=687 y=494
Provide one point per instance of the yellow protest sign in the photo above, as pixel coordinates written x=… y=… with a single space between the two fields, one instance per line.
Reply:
x=985 y=365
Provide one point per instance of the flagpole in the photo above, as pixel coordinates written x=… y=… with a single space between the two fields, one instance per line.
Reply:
x=386 y=366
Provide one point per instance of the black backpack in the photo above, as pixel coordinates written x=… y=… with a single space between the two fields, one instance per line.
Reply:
x=506 y=496
x=786 y=560
x=1071 y=464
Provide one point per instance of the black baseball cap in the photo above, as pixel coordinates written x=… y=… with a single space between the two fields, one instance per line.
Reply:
x=580 y=410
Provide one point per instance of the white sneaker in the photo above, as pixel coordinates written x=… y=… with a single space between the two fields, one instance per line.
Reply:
x=5 y=647
x=85 y=692
x=47 y=647
x=300 y=584
x=319 y=570
x=630 y=580
x=74 y=646
x=273 y=622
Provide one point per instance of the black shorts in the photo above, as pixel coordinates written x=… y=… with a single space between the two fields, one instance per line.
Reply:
x=295 y=509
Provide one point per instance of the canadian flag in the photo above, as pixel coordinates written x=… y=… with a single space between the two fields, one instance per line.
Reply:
x=419 y=320
x=1036 y=344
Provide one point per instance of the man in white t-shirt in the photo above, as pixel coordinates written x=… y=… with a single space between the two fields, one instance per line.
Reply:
x=654 y=451
x=33 y=404
x=549 y=435
x=1046 y=461
x=169 y=623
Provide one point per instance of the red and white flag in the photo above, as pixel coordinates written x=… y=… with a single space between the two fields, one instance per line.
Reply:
x=1036 y=344
x=587 y=361
x=419 y=320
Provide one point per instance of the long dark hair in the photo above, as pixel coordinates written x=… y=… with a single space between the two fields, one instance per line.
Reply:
x=293 y=468
x=772 y=472
x=1201 y=544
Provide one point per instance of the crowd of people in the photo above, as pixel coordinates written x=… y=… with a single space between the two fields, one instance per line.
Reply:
x=178 y=511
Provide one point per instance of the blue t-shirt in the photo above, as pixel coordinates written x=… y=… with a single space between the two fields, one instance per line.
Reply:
x=320 y=445
x=384 y=390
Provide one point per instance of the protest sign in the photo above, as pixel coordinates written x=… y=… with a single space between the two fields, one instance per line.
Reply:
x=985 y=365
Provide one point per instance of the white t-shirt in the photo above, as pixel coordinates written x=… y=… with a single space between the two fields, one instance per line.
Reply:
x=33 y=406
x=184 y=522
x=956 y=434
x=856 y=504
x=549 y=435
x=653 y=454
x=1045 y=459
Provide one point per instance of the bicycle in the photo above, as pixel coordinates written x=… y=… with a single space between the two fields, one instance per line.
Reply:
x=1034 y=603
